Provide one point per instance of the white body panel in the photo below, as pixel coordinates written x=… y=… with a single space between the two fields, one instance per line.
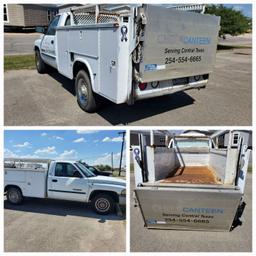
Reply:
x=31 y=182
x=44 y=183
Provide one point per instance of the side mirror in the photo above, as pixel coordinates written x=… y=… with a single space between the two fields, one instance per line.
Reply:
x=40 y=30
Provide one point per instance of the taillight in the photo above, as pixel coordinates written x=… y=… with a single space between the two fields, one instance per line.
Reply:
x=142 y=86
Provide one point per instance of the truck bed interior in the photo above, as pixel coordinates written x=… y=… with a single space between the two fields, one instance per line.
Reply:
x=192 y=175
x=193 y=166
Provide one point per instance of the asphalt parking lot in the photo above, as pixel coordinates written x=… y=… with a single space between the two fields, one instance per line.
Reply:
x=19 y=43
x=49 y=99
x=40 y=225
x=150 y=240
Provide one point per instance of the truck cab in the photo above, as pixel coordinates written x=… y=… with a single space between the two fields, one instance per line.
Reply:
x=46 y=44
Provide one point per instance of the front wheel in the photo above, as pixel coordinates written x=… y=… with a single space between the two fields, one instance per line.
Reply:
x=86 y=98
x=40 y=65
x=14 y=195
x=103 y=204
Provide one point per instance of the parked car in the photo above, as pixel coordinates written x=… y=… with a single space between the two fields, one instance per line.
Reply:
x=97 y=172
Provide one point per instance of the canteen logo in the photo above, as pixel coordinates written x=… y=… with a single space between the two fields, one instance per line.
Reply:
x=195 y=40
x=203 y=210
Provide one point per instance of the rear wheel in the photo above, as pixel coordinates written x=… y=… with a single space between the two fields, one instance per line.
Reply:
x=86 y=98
x=103 y=204
x=40 y=65
x=14 y=195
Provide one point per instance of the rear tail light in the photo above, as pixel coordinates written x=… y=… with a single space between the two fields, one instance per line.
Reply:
x=142 y=86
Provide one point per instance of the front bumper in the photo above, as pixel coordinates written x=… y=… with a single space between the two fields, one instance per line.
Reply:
x=122 y=200
x=165 y=89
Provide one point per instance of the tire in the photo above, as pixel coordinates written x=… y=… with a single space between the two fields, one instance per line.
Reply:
x=40 y=65
x=86 y=98
x=103 y=204
x=14 y=195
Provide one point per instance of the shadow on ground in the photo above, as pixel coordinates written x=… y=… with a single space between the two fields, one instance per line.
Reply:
x=60 y=208
x=124 y=114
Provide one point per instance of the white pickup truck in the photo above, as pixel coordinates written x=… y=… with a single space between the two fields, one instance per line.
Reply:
x=64 y=180
x=126 y=53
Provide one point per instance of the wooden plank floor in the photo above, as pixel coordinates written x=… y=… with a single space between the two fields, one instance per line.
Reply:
x=192 y=175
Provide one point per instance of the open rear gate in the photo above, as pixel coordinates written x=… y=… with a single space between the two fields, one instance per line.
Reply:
x=177 y=44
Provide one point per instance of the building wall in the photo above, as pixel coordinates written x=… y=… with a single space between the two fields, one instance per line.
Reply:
x=35 y=15
x=66 y=7
x=15 y=15
x=28 y=15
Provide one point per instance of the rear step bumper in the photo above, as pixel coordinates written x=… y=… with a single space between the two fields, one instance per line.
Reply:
x=150 y=93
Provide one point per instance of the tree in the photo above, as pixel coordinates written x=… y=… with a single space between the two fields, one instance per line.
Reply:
x=232 y=22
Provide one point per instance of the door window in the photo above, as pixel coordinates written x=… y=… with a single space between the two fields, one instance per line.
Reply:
x=68 y=21
x=66 y=170
x=51 y=31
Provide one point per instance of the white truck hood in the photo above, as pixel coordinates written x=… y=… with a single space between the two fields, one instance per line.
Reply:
x=107 y=180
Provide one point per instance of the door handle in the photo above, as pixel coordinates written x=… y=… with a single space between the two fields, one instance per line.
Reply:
x=52 y=42
x=54 y=180
x=77 y=189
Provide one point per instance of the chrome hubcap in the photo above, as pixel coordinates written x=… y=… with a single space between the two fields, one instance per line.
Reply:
x=102 y=204
x=14 y=197
x=37 y=60
x=82 y=92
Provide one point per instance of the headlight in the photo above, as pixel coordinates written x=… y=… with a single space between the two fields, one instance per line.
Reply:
x=123 y=193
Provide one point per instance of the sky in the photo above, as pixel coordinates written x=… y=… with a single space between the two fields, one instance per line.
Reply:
x=94 y=147
x=246 y=9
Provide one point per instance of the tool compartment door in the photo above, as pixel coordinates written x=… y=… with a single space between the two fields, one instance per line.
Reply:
x=188 y=208
x=177 y=44
x=108 y=62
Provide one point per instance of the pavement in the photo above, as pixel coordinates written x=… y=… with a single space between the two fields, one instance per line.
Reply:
x=240 y=40
x=19 y=43
x=150 y=240
x=49 y=99
x=40 y=225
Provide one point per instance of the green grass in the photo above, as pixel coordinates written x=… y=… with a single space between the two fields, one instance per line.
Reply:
x=19 y=62
x=250 y=168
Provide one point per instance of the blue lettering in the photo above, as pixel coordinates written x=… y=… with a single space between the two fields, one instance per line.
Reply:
x=204 y=210
x=195 y=40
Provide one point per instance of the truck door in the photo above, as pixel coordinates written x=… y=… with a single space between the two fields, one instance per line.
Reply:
x=66 y=182
x=48 y=51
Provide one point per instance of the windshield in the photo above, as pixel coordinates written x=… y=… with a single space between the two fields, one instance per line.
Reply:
x=191 y=143
x=84 y=170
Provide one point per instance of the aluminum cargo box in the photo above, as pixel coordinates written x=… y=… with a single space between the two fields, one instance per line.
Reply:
x=188 y=208
x=177 y=44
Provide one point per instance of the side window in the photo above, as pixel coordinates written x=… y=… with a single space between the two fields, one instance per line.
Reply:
x=68 y=21
x=66 y=170
x=52 y=27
